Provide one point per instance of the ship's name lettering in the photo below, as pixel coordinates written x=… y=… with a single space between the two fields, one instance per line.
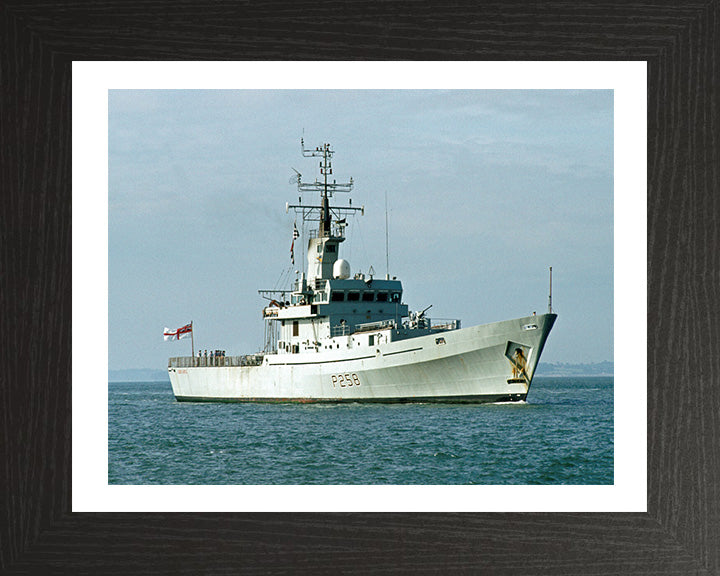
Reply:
x=345 y=380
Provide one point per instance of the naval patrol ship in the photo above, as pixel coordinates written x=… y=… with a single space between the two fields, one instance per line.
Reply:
x=338 y=337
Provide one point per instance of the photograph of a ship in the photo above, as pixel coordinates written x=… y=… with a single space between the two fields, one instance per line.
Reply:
x=338 y=336
x=360 y=287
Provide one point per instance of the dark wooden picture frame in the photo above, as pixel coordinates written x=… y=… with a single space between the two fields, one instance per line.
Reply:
x=680 y=533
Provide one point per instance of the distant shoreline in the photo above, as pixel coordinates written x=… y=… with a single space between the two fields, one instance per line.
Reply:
x=555 y=369
x=564 y=369
x=138 y=375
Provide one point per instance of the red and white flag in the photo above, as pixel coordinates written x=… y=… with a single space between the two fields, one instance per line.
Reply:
x=184 y=332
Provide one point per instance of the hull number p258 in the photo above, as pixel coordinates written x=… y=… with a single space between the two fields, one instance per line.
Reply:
x=345 y=380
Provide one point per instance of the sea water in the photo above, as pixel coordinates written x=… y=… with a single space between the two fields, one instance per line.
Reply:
x=563 y=434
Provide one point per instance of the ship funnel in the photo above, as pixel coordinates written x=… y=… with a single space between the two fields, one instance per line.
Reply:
x=341 y=269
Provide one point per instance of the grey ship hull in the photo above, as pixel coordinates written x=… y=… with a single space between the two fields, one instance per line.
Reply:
x=466 y=365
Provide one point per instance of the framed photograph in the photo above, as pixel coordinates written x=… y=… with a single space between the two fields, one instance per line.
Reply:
x=555 y=148
x=664 y=522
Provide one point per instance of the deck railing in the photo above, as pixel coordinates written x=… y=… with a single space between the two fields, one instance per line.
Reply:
x=202 y=362
x=444 y=324
x=347 y=329
x=380 y=325
x=342 y=330
x=437 y=324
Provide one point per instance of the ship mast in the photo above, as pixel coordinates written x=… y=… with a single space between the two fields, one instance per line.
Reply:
x=550 y=294
x=323 y=213
x=325 y=171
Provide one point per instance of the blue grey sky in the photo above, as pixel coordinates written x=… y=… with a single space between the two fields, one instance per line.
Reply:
x=486 y=189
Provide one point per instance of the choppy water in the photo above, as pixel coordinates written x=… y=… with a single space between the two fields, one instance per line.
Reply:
x=562 y=435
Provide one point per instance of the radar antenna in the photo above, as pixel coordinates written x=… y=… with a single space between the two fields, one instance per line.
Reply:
x=323 y=213
x=296 y=178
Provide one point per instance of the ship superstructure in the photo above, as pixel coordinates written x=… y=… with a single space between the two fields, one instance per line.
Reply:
x=335 y=336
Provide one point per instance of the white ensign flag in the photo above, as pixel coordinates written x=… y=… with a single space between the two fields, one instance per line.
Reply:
x=178 y=334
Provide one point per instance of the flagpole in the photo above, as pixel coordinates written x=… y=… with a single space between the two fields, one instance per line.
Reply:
x=192 y=337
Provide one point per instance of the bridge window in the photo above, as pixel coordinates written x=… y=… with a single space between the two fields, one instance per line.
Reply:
x=330 y=248
x=395 y=297
x=353 y=296
x=368 y=296
x=337 y=296
x=382 y=296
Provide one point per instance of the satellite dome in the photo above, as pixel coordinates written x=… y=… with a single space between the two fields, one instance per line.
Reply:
x=341 y=269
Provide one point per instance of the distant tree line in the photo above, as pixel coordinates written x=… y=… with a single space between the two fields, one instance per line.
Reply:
x=564 y=369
